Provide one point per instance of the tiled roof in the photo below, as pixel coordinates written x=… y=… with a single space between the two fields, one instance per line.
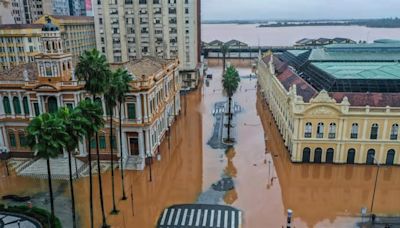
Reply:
x=145 y=67
x=288 y=78
x=371 y=99
x=17 y=73
x=20 y=26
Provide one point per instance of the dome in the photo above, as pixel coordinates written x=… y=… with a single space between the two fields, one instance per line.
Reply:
x=49 y=26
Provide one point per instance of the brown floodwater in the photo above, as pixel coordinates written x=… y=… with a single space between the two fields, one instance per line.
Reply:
x=266 y=182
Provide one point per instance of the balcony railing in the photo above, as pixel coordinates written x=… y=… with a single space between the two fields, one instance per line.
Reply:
x=307 y=135
x=353 y=135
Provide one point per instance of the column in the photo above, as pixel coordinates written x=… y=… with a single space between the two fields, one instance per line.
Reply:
x=31 y=114
x=1 y=105
x=82 y=148
x=58 y=100
x=142 y=152
x=21 y=103
x=139 y=108
x=145 y=113
x=148 y=147
x=10 y=98
x=2 y=137
x=125 y=151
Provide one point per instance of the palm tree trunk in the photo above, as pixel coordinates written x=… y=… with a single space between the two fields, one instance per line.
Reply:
x=120 y=148
x=114 y=210
x=52 y=217
x=229 y=118
x=90 y=182
x=223 y=63
x=71 y=184
x=99 y=176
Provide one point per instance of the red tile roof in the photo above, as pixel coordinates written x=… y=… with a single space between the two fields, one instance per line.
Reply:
x=371 y=99
x=288 y=79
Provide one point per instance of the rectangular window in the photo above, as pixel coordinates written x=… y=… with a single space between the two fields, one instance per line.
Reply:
x=22 y=140
x=102 y=142
x=93 y=142
x=13 y=142
x=70 y=106
x=114 y=142
x=131 y=111
x=36 y=107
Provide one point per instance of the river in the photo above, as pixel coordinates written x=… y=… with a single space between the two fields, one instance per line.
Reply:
x=283 y=36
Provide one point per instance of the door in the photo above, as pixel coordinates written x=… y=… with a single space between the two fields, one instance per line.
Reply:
x=370 y=157
x=351 y=154
x=134 y=146
x=390 y=157
x=317 y=155
x=329 y=155
x=306 y=155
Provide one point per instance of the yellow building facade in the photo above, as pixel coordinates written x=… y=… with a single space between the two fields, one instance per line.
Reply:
x=317 y=127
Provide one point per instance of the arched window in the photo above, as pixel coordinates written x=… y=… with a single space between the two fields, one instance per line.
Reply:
x=12 y=139
x=308 y=130
x=16 y=105
x=332 y=131
x=318 y=155
x=394 y=132
x=6 y=105
x=370 y=157
x=390 y=157
x=52 y=105
x=320 y=130
x=374 y=131
x=354 y=131
x=351 y=155
x=306 y=155
x=329 y=155
x=25 y=105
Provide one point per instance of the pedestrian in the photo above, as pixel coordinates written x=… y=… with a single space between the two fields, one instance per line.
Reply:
x=373 y=217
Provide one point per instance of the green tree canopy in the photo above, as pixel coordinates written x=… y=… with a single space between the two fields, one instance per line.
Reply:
x=231 y=81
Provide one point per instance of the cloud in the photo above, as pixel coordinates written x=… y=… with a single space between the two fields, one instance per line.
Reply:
x=298 y=9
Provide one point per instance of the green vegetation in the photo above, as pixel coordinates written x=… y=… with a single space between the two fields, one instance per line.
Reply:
x=224 y=51
x=41 y=215
x=230 y=83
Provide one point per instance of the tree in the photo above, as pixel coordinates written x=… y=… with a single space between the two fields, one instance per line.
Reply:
x=224 y=50
x=93 y=69
x=230 y=83
x=75 y=124
x=111 y=101
x=46 y=134
x=123 y=88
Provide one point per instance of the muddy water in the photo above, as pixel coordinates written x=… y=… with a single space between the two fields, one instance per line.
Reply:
x=266 y=183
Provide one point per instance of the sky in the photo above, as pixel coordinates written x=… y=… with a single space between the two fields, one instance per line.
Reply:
x=298 y=9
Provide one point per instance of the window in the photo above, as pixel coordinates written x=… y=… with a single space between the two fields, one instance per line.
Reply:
x=390 y=157
x=52 y=105
x=17 y=106
x=22 y=140
x=308 y=130
x=114 y=142
x=142 y=2
x=156 y=1
x=13 y=142
x=131 y=111
x=93 y=142
x=394 y=132
x=70 y=106
x=36 y=108
x=320 y=130
x=6 y=105
x=354 y=131
x=26 y=105
x=374 y=131
x=102 y=142
x=332 y=131
x=351 y=154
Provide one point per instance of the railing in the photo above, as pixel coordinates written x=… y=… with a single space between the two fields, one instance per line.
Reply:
x=353 y=135
x=332 y=135
x=307 y=135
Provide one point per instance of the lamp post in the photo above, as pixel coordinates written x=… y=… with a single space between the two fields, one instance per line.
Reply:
x=375 y=184
x=149 y=159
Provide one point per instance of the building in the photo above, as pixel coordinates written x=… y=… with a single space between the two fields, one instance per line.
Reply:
x=338 y=104
x=127 y=30
x=77 y=33
x=20 y=43
x=6 y=12
x=48 y=83
x=323 y=41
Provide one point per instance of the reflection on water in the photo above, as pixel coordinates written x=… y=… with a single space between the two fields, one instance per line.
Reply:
x=266 y=183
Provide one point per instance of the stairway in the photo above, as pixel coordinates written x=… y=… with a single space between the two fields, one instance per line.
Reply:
x=134 y=163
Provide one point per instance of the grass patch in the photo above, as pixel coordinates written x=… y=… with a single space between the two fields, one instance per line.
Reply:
x=41 y=215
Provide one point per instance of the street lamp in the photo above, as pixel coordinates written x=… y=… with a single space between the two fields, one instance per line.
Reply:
x=376 y=181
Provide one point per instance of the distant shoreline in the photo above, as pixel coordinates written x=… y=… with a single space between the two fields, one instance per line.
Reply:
x=370 y=23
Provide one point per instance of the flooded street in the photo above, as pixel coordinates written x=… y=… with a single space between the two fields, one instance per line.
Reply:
x=266 y=182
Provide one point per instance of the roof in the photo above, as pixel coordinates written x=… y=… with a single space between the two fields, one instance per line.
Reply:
x=144 y=67
x=288 y=78
x=20 y=26
x=385 y=41
x=73 y=18
x=17 y=73
x=361 y=70
x=371 y=99
x=372 y=47
x=324 y=54
x=235 y=43
x=215 y=43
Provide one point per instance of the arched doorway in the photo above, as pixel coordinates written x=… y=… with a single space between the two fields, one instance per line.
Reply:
x=318 y=155
x=329 y=155
x=370 y=157
x=52 y=104
x=351 y=154
x=390 y=157
x=306 y=155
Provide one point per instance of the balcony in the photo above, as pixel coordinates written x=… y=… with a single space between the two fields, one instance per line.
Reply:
x=307 y=135
x=353 y=135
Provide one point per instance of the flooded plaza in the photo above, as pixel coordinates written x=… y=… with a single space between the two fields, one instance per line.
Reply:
x=265 y=182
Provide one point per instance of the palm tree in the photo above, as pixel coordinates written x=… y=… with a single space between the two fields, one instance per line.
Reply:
x=123 y=88
x=94 y=70
x=75 y=124
x=111 y=101
x=45 y=136
x=230 y=83
x=224 y=50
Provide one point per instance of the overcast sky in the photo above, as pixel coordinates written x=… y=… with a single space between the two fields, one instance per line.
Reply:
x=298 y=9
